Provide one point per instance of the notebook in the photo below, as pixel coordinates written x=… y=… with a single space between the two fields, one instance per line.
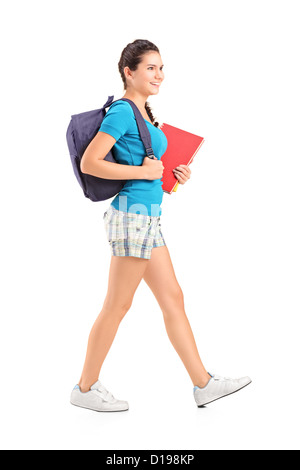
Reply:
x=182 y=148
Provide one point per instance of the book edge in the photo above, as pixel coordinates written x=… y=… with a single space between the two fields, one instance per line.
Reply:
x=196 y=151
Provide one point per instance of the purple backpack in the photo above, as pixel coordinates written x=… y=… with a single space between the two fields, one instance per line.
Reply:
x=82 y=129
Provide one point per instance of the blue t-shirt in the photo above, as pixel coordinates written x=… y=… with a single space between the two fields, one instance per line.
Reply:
x=137 y=195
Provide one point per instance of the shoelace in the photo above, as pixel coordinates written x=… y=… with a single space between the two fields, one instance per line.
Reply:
x=105 y=393
x=218 y=377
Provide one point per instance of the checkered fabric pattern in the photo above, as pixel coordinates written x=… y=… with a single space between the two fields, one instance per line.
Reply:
x=131 y=234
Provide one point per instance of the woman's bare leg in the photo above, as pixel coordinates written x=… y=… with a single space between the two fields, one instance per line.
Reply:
x=125 y=275
x=161 y=279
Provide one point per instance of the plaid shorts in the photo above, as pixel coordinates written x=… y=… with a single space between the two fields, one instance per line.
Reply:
x=132 y=234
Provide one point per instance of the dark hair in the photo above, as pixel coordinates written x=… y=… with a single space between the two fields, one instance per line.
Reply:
x=131 y=57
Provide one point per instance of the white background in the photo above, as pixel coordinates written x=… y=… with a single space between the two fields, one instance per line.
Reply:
x=232 y=76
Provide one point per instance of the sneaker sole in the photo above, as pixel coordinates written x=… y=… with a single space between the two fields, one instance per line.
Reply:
x=223 y=396
x=99 y=411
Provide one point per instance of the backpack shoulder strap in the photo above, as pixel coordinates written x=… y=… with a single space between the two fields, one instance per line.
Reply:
x=142 y=127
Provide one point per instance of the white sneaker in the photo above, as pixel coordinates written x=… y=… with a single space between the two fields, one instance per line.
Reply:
x=97 y=399
x=219 y=387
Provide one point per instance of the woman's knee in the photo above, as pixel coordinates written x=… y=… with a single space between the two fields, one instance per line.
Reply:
x=173 y=301
x=117 y=307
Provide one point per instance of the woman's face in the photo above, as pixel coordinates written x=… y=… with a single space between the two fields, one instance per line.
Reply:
x=148 y=76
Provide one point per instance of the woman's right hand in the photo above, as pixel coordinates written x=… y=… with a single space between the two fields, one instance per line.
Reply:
x=152 y=168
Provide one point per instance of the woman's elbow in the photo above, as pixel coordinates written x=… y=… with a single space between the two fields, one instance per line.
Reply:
x=85 y=165
x=91 y=166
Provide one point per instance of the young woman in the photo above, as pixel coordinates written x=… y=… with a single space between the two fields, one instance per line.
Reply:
x=134 y=233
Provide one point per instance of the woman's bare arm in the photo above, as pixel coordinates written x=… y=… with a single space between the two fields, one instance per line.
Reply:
x=93 y=163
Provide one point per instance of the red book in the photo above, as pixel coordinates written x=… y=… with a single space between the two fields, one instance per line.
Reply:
x=182 y=147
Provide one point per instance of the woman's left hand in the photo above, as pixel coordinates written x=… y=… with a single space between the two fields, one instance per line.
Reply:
x=182 y=173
